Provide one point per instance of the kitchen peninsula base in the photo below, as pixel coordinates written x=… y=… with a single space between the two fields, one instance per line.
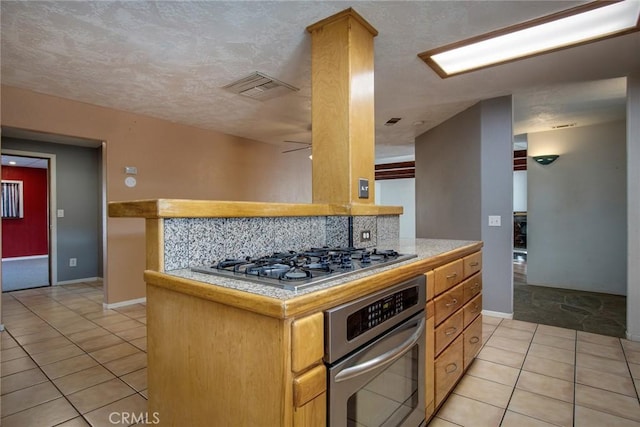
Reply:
x=220 y=356
x=230 y=352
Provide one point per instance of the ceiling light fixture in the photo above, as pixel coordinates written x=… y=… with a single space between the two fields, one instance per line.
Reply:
x=579 y=25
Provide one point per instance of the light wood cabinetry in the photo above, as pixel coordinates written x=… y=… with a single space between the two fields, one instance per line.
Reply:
x=429 y=371
x=448 y=331
x=214 y=364
x=448 y=369
x=448 y=275
x=448 y=303
x=457 y=333
x=472 y=341
x=222 y=356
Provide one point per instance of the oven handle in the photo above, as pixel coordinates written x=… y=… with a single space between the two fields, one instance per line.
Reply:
x=384 y=359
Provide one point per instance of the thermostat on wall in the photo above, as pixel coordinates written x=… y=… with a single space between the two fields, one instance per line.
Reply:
x=130 y=181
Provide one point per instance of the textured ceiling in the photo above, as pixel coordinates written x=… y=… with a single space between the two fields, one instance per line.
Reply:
x=170 y=60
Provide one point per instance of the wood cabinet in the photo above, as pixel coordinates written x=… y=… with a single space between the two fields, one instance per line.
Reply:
x=472 y=341
x=230 y=366
x=229 y=357
x=457 y=333
x=448 y=369
x=241 y=355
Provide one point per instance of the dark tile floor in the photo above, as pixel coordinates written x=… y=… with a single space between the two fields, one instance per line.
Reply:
x=597 y=313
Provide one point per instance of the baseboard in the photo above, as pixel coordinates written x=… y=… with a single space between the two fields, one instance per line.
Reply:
x=125 y=303
x=24 y=258
x=497 y=314
x=632 y=337
x=71 y=282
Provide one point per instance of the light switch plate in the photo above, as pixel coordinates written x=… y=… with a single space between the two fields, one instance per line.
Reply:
x=495 y=220
x=363 y=188
x=60 y=213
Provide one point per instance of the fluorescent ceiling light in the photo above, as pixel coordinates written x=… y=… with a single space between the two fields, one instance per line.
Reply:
x=579 y=25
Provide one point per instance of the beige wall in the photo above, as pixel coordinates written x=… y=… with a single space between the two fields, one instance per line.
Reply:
x=173 y=161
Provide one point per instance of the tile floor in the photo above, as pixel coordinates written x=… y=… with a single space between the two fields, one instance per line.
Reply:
x=529 y=374
x=68 y=362
x=593 y=312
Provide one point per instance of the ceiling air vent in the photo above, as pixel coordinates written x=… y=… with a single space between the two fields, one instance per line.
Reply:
x=260 y=86
x=567 y=125
x=392 y=121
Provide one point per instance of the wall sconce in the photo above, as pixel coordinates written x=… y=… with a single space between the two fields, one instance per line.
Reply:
x=547 y=159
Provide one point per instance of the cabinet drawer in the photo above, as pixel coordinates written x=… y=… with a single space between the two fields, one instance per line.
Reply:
x=448 y=369
x=309 y=385
x=472 y=286
x=448 y=331
x=448 y=276
x=307 y=341
x=472 y=309
x=448 y=303
x=472 y=264
x=472 y=341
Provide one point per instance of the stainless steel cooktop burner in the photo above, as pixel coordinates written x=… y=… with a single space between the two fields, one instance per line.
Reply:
x=294 y=270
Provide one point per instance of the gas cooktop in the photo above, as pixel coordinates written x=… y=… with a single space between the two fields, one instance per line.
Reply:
x=295 y=270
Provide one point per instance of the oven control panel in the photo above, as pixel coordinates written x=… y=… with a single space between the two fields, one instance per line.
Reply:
x=379 y=311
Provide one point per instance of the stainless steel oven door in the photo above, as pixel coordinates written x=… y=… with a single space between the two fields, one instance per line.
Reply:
x=381 y=384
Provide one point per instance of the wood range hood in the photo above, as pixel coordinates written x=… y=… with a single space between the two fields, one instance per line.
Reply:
x=342 y=109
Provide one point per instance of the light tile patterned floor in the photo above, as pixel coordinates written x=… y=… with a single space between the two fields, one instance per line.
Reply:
x=537 y=375
x=66 y=361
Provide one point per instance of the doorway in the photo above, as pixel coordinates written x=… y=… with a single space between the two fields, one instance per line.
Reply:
x=28 y=237
x=77 y=201
x=571 y=271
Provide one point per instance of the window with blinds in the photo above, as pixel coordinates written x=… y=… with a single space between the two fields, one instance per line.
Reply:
x=12 y=199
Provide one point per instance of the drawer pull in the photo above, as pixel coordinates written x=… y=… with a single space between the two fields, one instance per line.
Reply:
x=474 y=264
x=475 y=308
x=450 y=331
x=474 y=340
x=453 y=302
x=475 y=286
x=452 y=275
x=451 y=368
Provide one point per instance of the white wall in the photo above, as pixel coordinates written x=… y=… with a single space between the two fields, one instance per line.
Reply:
x=400 y=192
x=633 y=207
x=519 y=191
x=576 y=218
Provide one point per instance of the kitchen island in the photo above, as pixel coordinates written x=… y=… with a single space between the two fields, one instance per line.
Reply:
x=228 y=352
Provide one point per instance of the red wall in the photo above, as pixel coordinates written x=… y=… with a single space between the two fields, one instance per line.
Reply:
x=27 y=236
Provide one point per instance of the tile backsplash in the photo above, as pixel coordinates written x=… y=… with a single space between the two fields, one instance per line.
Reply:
x=191 y=242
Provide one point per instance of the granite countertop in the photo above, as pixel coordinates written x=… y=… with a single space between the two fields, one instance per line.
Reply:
x=427 y=251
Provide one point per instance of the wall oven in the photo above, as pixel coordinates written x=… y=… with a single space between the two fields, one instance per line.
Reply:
x=374 y=352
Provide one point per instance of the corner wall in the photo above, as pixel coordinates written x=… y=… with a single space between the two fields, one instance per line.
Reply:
x=497 y=199
x=464 y=173
x=173 y=161
x=633 y=207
